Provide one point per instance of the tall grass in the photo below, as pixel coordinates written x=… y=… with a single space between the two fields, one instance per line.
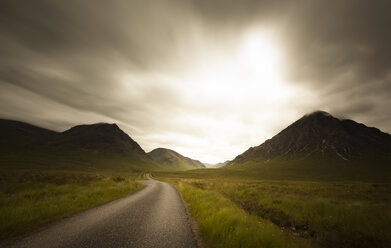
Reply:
x=223 y=224
x=336 y=215
x=339 y=213
x=29 y=200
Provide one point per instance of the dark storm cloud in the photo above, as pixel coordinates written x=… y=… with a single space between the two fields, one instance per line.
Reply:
x=335 y=36
x=108 y=60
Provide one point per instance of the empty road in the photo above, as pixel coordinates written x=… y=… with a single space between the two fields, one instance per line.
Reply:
x=152 y=217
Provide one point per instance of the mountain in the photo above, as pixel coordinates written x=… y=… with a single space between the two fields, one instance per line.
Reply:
x=101 y=136
x=321 y=137
x=174 y=160
x=99 y=145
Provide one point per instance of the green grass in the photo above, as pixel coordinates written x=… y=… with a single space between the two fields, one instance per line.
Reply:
x=313 y=169
x=31 y=199
x=223 y=224
x=340 y=213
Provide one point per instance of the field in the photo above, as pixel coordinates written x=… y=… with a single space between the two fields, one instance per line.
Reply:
x=31 y=199
x=243 y=209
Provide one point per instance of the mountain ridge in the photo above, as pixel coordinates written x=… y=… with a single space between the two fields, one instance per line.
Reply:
x=93 y=145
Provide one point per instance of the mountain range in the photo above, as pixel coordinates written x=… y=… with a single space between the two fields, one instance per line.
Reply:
x=95 y=146
x=316 y=138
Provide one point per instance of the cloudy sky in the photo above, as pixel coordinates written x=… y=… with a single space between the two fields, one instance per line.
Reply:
x=207 y=78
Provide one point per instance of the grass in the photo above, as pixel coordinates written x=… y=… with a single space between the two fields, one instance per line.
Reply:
x=31 y=199
x=340 y=213
x=223 y=224
x=300 y=170
x=69 y=160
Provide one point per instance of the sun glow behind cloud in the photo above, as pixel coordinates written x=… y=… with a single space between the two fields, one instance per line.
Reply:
x=233 y=94
x=250 y=70
x=225 y=102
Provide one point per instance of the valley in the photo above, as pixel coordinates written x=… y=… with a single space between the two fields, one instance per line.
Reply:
x=195 y=124
x=321 y=182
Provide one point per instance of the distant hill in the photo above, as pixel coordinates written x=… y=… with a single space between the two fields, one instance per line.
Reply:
x=93 y=146
x=174 y=160
x=322 y=138
x=218 y=165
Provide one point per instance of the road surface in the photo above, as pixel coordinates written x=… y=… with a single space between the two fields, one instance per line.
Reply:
x=152 y=217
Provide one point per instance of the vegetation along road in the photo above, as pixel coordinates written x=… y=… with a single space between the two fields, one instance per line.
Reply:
x=152 y=217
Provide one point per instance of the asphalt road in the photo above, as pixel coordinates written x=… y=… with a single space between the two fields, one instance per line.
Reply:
x=152 y=217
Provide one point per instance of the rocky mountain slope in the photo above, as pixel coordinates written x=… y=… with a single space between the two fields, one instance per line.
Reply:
x=319 y=135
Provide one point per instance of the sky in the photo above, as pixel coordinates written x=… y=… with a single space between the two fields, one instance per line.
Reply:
x=207 y=78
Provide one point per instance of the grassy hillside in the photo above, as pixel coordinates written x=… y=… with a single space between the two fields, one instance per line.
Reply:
x=172 y=160
x=74 y=159
x=315 y=169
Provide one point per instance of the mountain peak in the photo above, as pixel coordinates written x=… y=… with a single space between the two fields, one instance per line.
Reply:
x=108 y=136
x=161 y=149
x=318 y=116
x=319 y=113
x=94 y=127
